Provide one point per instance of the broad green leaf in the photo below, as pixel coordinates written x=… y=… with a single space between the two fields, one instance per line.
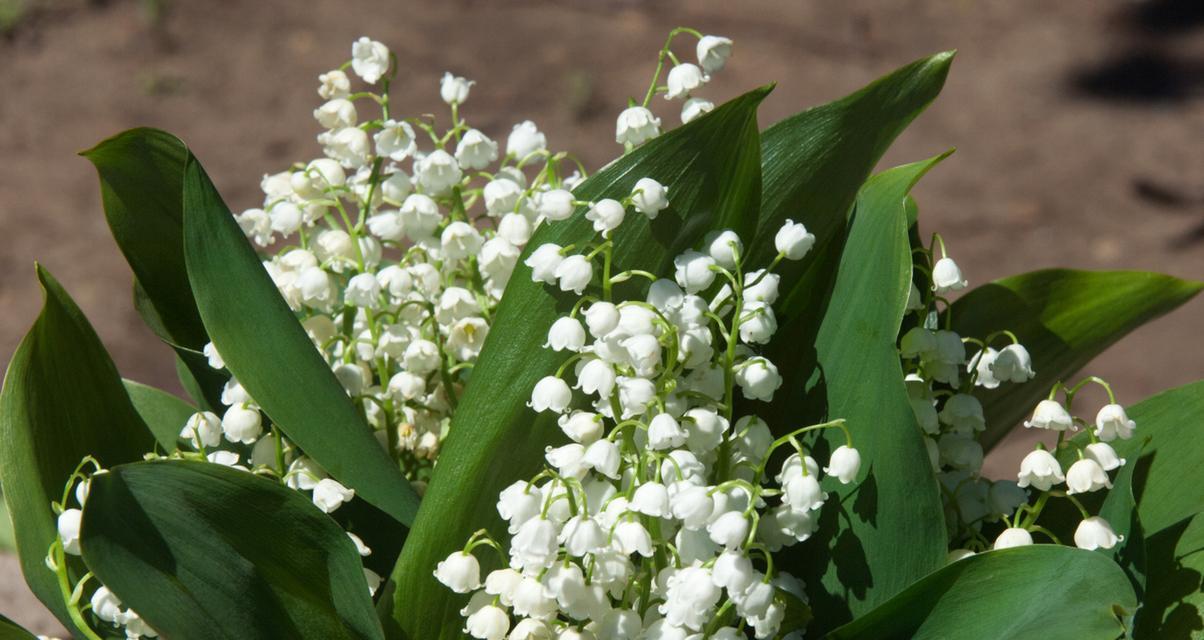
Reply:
x=712 y=169
x=205 y=551
x=10 y=630
x=880 y=534
x=1041 y=591
x=813 y=165
x=62 y=400
x=163 y=413
x=267 y=350
x=1164 y=456
x=141 y=178
x=8 y=540
x=1173 y=606
x=1064 y=318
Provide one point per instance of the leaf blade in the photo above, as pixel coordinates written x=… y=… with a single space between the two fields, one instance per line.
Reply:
x=199 y=551
x=267 y=350
x=1064 y=318
x=62 y=400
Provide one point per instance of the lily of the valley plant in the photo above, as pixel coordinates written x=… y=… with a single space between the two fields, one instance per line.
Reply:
x=443 y=381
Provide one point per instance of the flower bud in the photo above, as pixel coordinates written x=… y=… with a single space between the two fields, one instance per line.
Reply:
x=454 y=89
x=369 y=60
x=793 y=241
x=525 y=139
x=649 y=197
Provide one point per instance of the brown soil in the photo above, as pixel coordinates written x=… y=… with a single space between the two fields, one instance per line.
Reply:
x=1080 y=127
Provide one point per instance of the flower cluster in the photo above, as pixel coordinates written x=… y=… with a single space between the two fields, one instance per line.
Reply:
x=637 y=124
x=941 y=380
x=660 y=516
x=395 y=246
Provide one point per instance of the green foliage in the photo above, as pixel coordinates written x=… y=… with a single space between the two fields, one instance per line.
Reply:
x=62 y=400
x=886 y=531
x=163 y=413
x=1040 y=591
x=204 y=551
x=1064 y=318
x=269 y=352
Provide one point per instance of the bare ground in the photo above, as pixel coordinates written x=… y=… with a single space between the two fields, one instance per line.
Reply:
x=1079 y=124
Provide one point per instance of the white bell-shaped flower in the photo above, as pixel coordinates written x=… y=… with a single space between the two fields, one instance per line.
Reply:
x=582 y=535
x=460 y=240
x=1050 y=414
x=947 y=276
x=683 y=79
x=631 y=537
x=733 y=571
x=1011 y=364
x=844 y=463
x=601 y=318
x=596 y=377
x=1112 y=422
x=488 y=623
x=518 y=503
x=421 y=357
x=651 y=499
x=203 y=429
x=665 y=432
x=105 y=604
x=333 y=84
x=501 y=196
x=454 y=89
x=692 y=271
x=534 y=545
x=758 y=379
x=525 y=139
x=363 y=290
x=1040 y=470
x=729 y=530
x=242 y=423
x=793 y=241
x=690 y=600
x=1095 y=533
x=581 y=426
x=803 y=493
x=551 y=394
x=713 y=52
x=544 y=261
x=395 y=140
x=1013 y=537
x=918 y=342
x=758 y=323
x=644 y=353
x=555 y=204
x=963 y=413
x=437 y=172
x=694 y=107
x=1104 y=454
x=692 y=504
x=761 y=287
x=419 y=216
x=636 y=125
x=649 y=197
x=1086 y=475
x=460 y=572
x=606 y=214
x=574 y=273
x=475 y=151
x=68 y=528
x=724 y=246
x=336 y=114
x=369 y=60
x=330 y=494
x=566 y=334
x=604 y=457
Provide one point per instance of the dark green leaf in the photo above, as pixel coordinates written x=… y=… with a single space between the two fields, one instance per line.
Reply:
x=10 y=630
x=62 y=400
x=1064 y=318
x=711 y=167
x=813 y=164
x=1041 y=591
x=141 y=173
x=162 y=412
x=887 y=531
x=204 y=551
x=1164 y=456
x=266 y=348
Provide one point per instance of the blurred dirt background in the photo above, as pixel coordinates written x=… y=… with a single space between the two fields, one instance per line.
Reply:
x=1079 y=124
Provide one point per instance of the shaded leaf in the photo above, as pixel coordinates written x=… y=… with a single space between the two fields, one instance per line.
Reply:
x=163 y=413
x=62 y=400
x=10 y=630
x=887 y=531
x=712 y=169
x=1040 y=591
x=1064 y=318
x=141 y=178
x=205 y=551
x=267 y=350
